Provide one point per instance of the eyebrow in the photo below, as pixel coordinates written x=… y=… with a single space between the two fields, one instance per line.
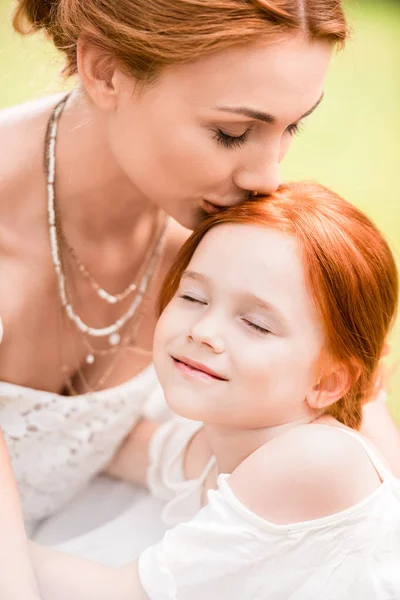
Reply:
x=195 y=276
x=266 y=306
x=276 y=313
x=262 y=116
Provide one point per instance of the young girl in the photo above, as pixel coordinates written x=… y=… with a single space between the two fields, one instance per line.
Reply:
x=274 y=320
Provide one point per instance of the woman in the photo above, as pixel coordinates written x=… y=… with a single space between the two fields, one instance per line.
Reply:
x=303 y=507
x=17 y=576
x=182 y=124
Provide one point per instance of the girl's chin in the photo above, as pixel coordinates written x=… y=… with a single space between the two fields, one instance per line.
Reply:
x=190 y=408
x=190 y=413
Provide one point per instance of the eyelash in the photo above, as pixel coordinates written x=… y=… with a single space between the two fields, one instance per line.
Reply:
x=250 y=324
x=257 y=328
x=294 y=129
x=231 y=141
x=191 y=299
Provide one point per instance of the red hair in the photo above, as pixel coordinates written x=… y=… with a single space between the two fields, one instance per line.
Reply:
x=148 y=37
x=349 y=268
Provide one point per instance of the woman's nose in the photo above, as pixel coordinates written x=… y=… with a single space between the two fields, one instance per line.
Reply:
x=206 y=331
x=261 y=176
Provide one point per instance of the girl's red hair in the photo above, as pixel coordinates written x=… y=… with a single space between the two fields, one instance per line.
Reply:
x=349 y=268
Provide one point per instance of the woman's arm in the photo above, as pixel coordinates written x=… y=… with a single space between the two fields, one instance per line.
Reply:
x=62 y=576
x=59 y=576
x=379 y=427
x=17 y=580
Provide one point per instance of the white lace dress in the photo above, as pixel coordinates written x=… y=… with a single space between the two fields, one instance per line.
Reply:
x=59 y=445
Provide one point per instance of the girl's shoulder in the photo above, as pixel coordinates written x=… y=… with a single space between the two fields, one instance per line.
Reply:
x=307 y=473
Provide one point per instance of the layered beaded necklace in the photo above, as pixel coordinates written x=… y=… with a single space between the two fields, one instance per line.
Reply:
x=112 y=331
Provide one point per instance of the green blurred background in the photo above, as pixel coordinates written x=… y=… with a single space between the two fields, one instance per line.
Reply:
x=351 y=144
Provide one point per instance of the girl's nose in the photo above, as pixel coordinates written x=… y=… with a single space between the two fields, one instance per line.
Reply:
x=206 y=332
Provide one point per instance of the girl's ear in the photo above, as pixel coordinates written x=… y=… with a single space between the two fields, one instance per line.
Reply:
x=330 y=388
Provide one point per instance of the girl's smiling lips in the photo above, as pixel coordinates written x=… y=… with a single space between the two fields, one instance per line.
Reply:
x=192 y=367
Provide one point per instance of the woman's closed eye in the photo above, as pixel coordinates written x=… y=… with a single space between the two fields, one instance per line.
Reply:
x=237 y=141
x=295 y=128
x=231 y=141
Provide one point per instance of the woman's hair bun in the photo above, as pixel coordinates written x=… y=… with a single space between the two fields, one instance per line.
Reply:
x=31 y=15
x=144 y=37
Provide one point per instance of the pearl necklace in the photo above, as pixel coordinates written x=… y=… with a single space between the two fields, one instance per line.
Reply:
x=101 y=292
x=111 y=330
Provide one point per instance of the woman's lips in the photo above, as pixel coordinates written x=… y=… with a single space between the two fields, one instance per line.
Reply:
x=196 y=369
x=210 y=208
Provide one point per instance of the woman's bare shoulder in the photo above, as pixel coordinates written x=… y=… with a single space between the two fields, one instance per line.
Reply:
x=28 y=112
x=305 y=474
x=22 y=133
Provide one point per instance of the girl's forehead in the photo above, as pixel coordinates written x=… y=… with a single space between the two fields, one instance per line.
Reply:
x=254 y=266
x=257 y=257
x=247 y=240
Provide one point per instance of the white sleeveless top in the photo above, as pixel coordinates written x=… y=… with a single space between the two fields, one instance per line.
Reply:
x=226 y=552
x=57 y=443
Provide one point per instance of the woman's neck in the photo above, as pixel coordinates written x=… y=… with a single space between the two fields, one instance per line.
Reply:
x=95 y=197
x=232 y=446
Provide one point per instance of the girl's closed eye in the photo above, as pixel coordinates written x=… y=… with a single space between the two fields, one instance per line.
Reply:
x=193 y=298
x=257 y=326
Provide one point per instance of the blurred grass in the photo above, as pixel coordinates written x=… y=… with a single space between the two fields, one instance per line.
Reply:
x=352 y=143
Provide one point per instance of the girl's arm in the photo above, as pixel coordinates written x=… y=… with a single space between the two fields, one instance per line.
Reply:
x=154 y=445
x=62 y=576
x=17 y=578
x=131 y=461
